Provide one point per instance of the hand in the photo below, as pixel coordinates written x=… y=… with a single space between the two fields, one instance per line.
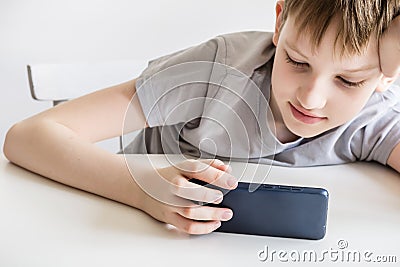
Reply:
x=174 y=204
x=389 y=50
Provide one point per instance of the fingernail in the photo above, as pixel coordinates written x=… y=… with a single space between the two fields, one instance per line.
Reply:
x=217 y=224
x=227 y=215
x=232 y=182
x=218 y=199
x=219 y=162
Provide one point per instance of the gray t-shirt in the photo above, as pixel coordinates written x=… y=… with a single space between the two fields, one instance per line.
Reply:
x=211 y=100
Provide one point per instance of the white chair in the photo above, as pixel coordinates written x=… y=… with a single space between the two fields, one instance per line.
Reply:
x=62 y=82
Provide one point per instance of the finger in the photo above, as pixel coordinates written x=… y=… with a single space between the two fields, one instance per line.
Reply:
x=181 y=187
x=205 y=213
x=193 y=227
x=219 y=164
x=389 y=50
x=201 y=171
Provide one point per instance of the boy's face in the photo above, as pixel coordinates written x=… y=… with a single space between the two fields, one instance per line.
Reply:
x=315 y=92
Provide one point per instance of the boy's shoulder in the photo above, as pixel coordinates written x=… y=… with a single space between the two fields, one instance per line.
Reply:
x=394 y=89
x=246 y=50
x=248 y=36
x=388 y=98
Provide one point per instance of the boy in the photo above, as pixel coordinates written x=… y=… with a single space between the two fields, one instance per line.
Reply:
x=324 y=84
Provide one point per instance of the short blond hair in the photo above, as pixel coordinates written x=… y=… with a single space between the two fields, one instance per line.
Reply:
x=359 y=20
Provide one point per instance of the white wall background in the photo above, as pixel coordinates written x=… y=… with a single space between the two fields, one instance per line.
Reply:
x=54 y=31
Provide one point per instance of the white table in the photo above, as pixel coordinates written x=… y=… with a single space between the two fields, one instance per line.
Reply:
x=44 y=223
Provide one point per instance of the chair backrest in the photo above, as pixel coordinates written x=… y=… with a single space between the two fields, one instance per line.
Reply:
x=61 y=82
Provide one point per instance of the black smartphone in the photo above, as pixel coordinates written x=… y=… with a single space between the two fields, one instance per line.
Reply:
x=275 y=210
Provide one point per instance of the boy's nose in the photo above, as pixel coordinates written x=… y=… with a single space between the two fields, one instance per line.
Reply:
x=312 y=95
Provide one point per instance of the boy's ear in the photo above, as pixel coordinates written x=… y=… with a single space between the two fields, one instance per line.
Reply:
x=384 y=83
x=278 y=9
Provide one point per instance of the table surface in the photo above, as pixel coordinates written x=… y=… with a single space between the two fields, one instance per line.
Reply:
x=44 y=223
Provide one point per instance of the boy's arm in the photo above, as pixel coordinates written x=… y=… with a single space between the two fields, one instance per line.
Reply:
x=394 y=158
x=389 y=53
x=58 y=143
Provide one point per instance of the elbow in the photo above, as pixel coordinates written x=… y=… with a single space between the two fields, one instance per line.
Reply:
x=12 y=139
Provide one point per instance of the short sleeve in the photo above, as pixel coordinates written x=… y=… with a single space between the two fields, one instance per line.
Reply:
x=172 y=88
x=376 y=140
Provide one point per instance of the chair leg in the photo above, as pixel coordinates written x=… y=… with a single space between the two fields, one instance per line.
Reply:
x=120 y=143
x=56 y=102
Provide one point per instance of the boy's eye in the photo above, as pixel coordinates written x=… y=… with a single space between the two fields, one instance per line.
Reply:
x=351 y=84
x=295 y=63
x=342 y=80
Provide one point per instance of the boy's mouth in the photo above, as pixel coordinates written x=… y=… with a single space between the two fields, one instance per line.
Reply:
x=305 y=116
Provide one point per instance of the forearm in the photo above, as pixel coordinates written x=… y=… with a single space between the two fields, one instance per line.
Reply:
x=56 y=152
